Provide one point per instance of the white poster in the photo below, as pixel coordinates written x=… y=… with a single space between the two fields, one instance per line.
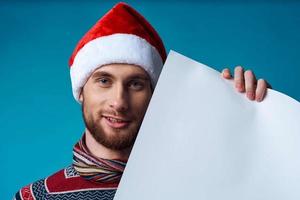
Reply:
x=201 y=139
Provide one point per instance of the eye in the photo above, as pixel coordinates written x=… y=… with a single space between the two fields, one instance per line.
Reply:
x=136 y=84
x=104 y=82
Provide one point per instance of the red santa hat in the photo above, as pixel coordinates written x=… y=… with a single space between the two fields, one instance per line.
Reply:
x=121 y=36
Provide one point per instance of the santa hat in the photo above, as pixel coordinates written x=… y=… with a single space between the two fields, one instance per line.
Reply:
x=121 y=36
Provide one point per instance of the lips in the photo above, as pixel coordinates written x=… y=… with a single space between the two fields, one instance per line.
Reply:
x=116 y=122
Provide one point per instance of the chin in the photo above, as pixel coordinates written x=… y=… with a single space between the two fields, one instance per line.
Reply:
x=116 y=139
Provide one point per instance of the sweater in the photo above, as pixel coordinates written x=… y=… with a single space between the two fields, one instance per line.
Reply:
x=88 y=178
x=67 y=184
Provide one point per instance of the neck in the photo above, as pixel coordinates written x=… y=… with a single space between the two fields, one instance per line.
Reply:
x=101 y=151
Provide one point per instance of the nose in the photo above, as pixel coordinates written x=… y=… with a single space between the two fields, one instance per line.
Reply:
x=119 y=100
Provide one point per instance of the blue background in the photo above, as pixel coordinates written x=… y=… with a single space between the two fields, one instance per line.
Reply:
x=39 y=119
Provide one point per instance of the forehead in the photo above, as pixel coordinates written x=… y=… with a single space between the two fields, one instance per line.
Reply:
x=121 y=70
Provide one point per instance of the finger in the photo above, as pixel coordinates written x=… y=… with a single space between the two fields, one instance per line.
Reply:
x=261 y=90
x=250 y=84
x=226 y=73
x=239 y=78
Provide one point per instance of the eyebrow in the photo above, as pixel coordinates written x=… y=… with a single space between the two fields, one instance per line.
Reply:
x=139 y=76
x=134 y=76
x=101 y=73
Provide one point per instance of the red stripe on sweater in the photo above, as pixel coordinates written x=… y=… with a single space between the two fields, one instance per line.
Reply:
x=26 y=193
x=59 y=183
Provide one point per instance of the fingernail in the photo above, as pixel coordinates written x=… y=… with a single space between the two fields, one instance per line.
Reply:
x=239 y=87
x=250 y=95
x=258 y=99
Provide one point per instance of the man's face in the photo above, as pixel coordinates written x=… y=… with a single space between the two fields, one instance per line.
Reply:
x=114 y=101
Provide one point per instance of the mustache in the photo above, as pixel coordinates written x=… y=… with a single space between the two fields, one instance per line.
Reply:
x=112 y=112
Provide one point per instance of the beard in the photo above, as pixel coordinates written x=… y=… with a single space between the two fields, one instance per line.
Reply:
x=119 y=140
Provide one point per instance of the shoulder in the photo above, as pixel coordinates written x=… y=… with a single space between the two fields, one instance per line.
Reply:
x=65 y=183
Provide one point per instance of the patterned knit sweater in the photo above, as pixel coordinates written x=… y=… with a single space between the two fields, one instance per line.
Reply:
x=88 y=178
x=67 y=184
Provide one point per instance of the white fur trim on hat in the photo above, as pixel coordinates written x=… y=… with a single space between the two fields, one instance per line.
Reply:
x=116 y=48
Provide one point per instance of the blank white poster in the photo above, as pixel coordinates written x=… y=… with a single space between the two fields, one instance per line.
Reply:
x=201 y=139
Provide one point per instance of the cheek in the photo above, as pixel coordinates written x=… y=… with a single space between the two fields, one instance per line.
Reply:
x=93 y=102
x=140 y=103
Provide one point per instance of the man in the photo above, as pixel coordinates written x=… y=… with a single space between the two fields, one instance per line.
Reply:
x=114 y=70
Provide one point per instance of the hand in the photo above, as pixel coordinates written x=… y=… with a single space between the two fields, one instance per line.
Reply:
x=246 y=82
